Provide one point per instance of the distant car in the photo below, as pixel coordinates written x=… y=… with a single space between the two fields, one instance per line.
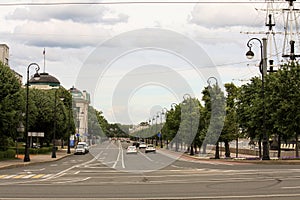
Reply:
x=79 y=149
x=131 y=150
x=86 y=146
x=142 y=145
x=150 y=148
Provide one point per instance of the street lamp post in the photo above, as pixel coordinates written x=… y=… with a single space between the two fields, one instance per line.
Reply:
x=210 y=89
x=155 y=117
x=69 y=128
x=263 y=71
x=54 y=126
x=188 y=98
x=36 y=76
x=176 y=136
x=163 y=112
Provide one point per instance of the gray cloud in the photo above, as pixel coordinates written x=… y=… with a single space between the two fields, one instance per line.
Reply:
x=80 y=14
x=216 y=16
x=62 y=34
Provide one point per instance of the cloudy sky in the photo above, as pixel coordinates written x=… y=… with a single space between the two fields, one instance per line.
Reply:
x=135 y=59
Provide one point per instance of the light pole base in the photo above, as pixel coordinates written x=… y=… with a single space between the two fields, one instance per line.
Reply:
x=265 y=158
x=53 y=152
x=26 y=158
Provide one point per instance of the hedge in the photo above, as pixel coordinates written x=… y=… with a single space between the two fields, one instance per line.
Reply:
x=43 y=150
x=9 y=154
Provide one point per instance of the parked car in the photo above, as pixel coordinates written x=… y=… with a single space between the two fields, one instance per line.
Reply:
x=86 y=146
x=80 y=149
x=131 y=150
x=150 y=148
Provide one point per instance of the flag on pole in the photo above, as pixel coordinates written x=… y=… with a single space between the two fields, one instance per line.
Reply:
x=44 y=52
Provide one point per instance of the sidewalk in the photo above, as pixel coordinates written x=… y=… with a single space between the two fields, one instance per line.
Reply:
x=243 y=158
x=34 y=158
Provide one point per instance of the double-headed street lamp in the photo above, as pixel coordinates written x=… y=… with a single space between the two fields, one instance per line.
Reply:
x=263 y=71
x=188 y=99
x=36 y=77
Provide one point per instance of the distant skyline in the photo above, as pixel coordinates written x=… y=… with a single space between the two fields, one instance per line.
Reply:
x=71 y=34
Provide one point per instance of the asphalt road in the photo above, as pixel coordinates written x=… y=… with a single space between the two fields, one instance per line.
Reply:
x=109 y=173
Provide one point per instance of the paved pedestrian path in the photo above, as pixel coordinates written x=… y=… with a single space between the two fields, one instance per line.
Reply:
x=34 y=158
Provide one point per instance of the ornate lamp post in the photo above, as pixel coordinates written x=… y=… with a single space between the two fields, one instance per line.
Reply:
x=263 y=71
x=188 y=99
x=36 y=76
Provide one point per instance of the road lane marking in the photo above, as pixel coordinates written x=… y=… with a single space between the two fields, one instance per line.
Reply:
x=292 y=187
x=147 y=157
x=120 y=154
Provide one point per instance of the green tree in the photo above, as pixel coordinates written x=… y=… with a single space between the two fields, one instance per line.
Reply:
x=11 y=105
x=214 y=116
x=250 y=110
x=283 y=103
x=230 y=128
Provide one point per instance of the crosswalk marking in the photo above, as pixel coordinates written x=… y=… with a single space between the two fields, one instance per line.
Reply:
x=38 y=176
x=28 y=176
x=19 y=176
x=1 y=176
x=25 y=176
x=9 y=176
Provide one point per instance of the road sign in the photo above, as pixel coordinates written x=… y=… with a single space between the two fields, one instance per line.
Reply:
x=36 y=134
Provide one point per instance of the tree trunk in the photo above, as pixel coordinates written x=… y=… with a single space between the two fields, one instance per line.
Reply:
x=237 y=147
x=227 y=149
x=217 y=154
x=279 y=146
x=192 y=150
x=204 y=148
x=195 y=148
x=297 y=146
x=259 y=147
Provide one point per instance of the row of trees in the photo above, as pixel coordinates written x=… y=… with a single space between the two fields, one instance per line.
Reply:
x=46 y=114
x=236 y=113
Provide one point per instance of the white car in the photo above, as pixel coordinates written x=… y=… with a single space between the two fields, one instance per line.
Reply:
x=142 y=145
x=131 y=150
x=150 y=148
x=85 y=145
x=80 y=149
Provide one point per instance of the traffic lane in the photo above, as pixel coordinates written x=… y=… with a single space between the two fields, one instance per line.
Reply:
x=143 y=162
x=101 y=175
x=114 y=155
x=211 y=189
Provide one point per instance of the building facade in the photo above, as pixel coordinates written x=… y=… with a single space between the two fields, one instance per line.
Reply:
x=4 y=54
x=81 y=101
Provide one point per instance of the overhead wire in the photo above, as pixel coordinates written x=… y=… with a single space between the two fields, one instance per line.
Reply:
x=131 y=2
